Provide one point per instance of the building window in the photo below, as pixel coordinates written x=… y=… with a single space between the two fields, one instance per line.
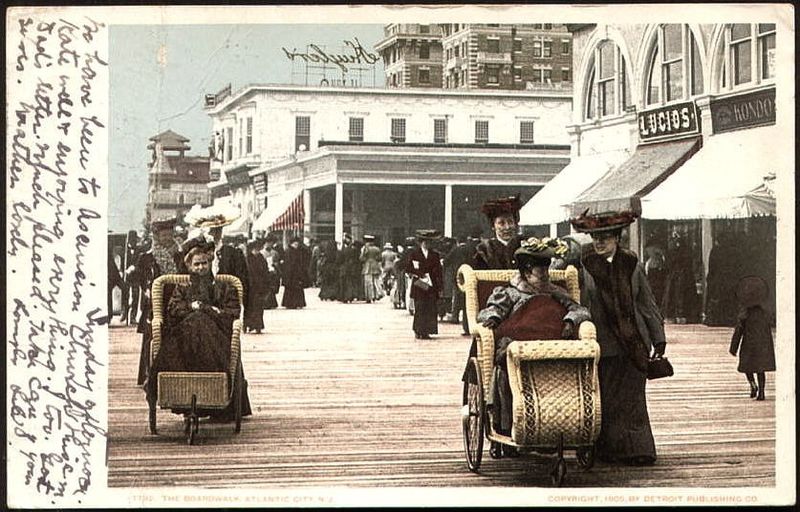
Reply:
x=241 y=137
x=548 y=26
x=607 y=91
x=517 y=45
x=492 y=45
x=675 y=69
x=440 y=131
x=481 y=132
x=424 y=76
x=398 y=129
x=526 y=132
x=464 y=48
x=517 y=73
x=548 y=49
x=356 y=132
x=424 y=51
x=249 y=135
x=424 y=29
x=180 y=199
x=565 y=75
x=492 y=75
x=455 y=51
x=537 y=48
x=564 y=47
x=302 y=133
x=547 y=76
x=229 y=149
x=537 y=25
x=766 y=50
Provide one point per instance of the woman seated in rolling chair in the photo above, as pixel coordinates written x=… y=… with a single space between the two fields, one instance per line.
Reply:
x=199 y=319
x=529 y=308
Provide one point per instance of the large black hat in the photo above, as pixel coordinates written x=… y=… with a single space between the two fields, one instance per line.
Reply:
x=751 y=291
x=606 y=221
x=195 y=245
x=493 y=208
x=427 y=234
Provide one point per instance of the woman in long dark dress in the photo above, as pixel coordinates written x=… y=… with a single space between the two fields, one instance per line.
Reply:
x=199 y=324
x=425 y=268
x=329 y=271
x=629 y=325
x=200 y=317
x=257 y=271
x=273 y=280
x=752 y=338
x=295 y=275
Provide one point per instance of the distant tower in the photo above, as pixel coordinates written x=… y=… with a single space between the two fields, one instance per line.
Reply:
x=175 y=181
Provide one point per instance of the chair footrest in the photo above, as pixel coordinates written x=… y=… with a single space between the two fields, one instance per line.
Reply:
x=553 y=349
x=175 y=389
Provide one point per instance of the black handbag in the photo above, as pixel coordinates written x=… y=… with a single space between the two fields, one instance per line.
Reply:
x=659 y=367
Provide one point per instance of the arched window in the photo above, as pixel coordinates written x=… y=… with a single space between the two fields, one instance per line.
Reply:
x=675 y=72
x=608 y=90
x=748 y=55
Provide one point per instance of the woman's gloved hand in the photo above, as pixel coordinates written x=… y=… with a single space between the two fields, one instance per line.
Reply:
x=491 y=323
x=568 y=330
x=659 y=349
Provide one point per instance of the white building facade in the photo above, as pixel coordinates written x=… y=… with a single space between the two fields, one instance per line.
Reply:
x=382 y=161
x=674 y=121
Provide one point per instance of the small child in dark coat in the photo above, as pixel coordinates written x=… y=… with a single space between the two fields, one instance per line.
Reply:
x=752 y=340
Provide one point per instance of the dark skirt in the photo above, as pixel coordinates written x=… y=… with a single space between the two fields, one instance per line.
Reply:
x=254 y=312
x=425 y=316
x=625 y=432
x=293 y=296
x=196 y=343
x=273 y=283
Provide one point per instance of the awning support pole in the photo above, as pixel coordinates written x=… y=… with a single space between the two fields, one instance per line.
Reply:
x=448 y=210
x=338 y=216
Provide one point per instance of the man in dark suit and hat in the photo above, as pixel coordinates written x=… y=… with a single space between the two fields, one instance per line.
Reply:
x=498 y=252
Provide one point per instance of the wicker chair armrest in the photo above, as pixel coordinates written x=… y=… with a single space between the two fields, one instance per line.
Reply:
x=552 y=350
x=236 y=346
x=587 y=331
x=155 y=338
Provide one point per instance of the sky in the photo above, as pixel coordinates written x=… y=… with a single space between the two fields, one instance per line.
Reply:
x=160 y=74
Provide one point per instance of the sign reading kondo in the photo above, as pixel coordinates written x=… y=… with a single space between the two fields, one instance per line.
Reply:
x=743 y=111
x=668 y=122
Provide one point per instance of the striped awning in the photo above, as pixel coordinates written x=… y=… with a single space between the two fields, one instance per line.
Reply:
x=293 y=218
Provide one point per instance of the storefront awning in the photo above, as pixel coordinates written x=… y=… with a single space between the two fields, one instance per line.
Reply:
x=282 y=213
x=730 y=177
x=237 y=227
x=550 y=205
x=623 y=187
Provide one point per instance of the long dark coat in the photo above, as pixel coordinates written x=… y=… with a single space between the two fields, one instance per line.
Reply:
x=328 y=271
x=350 y=280
x=258 y=272
x=493 y=254
x=425 y=301
x=233 y=262
x=628 y=323
x=752 y=339
x=295 y=277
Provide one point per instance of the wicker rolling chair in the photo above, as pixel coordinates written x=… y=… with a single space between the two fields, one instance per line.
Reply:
x=554 y=383
x=195 y=393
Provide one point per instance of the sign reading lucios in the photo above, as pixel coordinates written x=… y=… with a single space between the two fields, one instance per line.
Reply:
x=668 y=122
x=357 y=55
x=743 y=111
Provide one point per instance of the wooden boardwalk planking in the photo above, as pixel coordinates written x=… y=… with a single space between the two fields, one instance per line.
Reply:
x=344 y=396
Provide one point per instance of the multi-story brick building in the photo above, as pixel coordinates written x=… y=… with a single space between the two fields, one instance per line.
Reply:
x=176 y=181
x=478 y=56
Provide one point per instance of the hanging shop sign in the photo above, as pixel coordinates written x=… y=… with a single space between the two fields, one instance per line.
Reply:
x=669 y=122
x=743 y=111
